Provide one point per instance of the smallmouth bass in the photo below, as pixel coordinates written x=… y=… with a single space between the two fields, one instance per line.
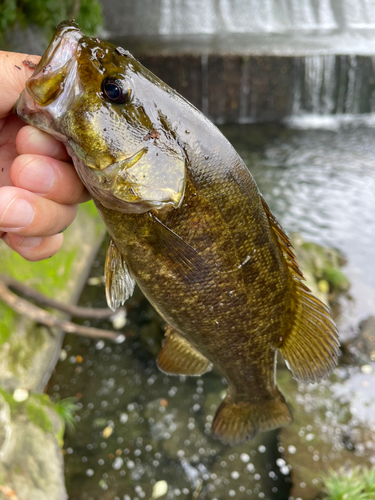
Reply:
x=188 y=225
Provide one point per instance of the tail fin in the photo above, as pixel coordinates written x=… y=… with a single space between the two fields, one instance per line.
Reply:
x=236 y=422
x=310 y=349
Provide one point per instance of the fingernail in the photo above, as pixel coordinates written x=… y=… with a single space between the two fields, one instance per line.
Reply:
x=37 y=176
x=29 y=241
x=18 y=214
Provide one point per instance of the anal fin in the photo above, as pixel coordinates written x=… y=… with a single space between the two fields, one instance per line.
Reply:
x=119 y=284
x=179 y=357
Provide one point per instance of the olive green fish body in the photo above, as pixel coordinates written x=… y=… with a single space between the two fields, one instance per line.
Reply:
x=236 y=309
x=188 y=224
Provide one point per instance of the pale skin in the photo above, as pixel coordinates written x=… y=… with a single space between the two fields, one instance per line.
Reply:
x=39 y=188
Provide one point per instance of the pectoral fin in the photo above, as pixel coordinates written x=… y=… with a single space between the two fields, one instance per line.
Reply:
x=179 y=357
x=181 y=257
x=119 y=284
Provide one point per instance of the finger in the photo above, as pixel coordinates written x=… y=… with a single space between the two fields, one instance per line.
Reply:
x=13 y=76
x=7 y=156
x=34 y=248
x=30 y=140
x=8 y=151
x=28 y=214
x=11 y=125
x=52 y=179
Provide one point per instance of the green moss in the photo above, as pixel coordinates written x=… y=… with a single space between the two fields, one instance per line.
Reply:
x=336 y=279
x=34 y=407
x=7 y=324
x=21 y=352
x=8 y=399
x=17 y=469
x=324 y=264
x=38 y=415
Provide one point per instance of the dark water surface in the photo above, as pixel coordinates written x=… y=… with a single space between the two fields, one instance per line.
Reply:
x=137 y=426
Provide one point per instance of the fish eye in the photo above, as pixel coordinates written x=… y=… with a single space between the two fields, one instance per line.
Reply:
x=115 y=90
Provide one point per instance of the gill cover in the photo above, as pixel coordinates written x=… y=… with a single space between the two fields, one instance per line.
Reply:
x=157 y=176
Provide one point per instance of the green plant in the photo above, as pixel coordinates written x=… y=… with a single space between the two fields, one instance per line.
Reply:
x=66 y=409
x=47 y=14
x=357 y=484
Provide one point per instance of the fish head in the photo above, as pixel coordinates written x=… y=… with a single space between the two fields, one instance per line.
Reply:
x=102 y=103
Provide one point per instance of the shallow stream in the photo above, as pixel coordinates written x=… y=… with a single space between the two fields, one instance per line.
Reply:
x=136 y=426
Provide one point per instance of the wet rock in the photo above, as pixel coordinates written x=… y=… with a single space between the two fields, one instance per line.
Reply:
x=321 y=267
x=31 y=462
x=362 y=348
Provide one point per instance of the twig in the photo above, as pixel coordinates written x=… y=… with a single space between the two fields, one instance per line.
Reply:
x=78 y=312
x=76 y=8
x=198 y=490
x=8 y=492
x=38 y=315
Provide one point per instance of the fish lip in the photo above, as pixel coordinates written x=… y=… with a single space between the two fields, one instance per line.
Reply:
x=59 y=54
x=62 y=47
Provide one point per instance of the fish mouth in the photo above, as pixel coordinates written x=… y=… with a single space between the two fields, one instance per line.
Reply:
x=54 y=82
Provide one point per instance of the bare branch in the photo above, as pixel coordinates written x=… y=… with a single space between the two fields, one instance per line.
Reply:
x=38 y=315
x=75 y=9
x=79 y=312
x=8 y=492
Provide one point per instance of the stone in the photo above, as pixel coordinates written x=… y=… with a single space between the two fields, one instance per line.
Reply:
x=31 y=461
x=362 y=347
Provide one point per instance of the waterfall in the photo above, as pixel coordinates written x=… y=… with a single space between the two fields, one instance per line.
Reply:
x=259 y=16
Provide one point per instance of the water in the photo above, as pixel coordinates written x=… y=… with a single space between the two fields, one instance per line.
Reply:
x=136 y=426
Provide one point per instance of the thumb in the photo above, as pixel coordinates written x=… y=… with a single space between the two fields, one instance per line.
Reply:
x=13 y=75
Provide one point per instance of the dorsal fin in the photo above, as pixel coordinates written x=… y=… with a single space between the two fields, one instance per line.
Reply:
x=310 y=347
x=283 y=239
x=119 y=284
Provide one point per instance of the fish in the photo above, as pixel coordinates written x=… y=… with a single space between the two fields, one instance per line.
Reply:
x=188 y=224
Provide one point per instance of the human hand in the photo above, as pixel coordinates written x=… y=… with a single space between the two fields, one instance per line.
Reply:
x=39 y=187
